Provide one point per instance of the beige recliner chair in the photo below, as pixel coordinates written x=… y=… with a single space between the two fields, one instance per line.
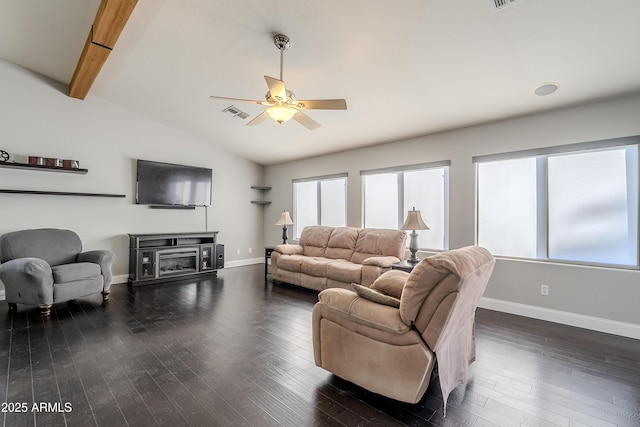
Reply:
x=387 y=338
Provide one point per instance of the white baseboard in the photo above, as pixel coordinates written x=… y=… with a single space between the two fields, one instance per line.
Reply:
x=614 y=327
x=120 y=278
x=243 y=262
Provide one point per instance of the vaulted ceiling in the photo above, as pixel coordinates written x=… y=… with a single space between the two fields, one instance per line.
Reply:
x=406 y=68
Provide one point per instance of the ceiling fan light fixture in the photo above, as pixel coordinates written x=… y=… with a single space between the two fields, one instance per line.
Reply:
x=281 y=113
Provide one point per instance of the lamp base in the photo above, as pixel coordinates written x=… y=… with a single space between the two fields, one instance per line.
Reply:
x=413 y=248
x=284 y=235
x=412 y=260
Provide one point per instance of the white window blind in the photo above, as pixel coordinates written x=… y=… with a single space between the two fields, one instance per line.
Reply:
x=388 y=194
x=578 y=205
x=319 y=201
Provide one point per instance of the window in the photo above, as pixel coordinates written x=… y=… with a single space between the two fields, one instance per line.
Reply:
x=507 y=201
x=577 y=203
x=389 y=193
x=319 y=201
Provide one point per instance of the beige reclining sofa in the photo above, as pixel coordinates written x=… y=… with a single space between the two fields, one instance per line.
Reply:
x=336 y=257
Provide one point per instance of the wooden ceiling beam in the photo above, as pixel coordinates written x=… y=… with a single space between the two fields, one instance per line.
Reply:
x=111 y=18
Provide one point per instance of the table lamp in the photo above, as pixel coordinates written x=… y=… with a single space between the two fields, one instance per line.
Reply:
x=414 y=222
x=284 y=220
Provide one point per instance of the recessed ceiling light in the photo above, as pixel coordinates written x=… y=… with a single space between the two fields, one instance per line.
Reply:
x=546 y=89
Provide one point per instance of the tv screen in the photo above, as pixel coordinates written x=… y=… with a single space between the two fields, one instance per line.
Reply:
x=167 y=184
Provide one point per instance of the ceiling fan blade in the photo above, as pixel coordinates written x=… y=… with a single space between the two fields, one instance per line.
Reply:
x=252 y=101
x=306 y=121
x=322 y=104
x=258 y=119
x=276 y=87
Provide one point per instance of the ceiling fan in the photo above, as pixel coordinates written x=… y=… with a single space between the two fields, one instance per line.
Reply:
x=282 y=103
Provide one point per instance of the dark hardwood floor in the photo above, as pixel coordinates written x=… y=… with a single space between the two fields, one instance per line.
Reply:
x=234 y=351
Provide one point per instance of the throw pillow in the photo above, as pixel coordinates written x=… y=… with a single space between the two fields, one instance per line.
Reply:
x=391 y=283
x=375 y=296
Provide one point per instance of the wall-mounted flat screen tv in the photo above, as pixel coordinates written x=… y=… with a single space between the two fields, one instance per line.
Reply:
x=167 y=184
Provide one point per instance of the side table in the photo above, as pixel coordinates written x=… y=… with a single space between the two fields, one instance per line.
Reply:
x=267 y=259
x=404 y=266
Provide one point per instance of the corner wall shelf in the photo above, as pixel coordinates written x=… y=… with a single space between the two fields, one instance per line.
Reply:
x=62 y=193
x=28 y=166
x=262 y=188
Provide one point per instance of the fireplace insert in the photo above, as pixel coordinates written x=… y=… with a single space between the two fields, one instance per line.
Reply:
x=177 y=260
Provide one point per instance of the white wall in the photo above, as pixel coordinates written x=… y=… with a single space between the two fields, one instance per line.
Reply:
x=599 y=298
x=38 y=118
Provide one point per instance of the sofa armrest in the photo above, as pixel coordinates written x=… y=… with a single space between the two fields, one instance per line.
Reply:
x=27 y=281
x=289 y=249
x=105 y=259
x=344 y=305
x=381 y=261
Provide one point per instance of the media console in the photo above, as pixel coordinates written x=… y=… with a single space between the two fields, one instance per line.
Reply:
x=157 y=258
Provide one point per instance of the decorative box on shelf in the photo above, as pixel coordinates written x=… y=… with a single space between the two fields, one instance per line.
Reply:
x=53 y=162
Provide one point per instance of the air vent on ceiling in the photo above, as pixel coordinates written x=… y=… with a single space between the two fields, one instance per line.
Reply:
x=501 y=4
x=236 y=112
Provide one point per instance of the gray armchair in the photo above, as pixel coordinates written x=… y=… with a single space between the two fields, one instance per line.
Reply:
x=47 y=266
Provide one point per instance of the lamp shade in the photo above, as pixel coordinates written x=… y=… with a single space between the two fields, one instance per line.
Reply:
x=281 y=114
x=414 y=221
x=284 y=219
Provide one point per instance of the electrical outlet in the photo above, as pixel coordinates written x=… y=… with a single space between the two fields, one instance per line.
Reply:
x=250 y=250
x=544 y=290
x=238 y=251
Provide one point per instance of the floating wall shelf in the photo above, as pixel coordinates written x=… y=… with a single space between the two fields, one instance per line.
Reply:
x=41 y=168
x=27 y=166
x=261 y=188
x=62 y=193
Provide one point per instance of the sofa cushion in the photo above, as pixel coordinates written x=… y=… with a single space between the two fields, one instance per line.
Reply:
x=391 y=283
x=381 y=261
x=314 y=240
x=76 y=271
x=76 y=289
x=346 y=272
x=375 y=242
x=290 y=262
x=314 y=266
x=342 y=243
x=375 y=296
